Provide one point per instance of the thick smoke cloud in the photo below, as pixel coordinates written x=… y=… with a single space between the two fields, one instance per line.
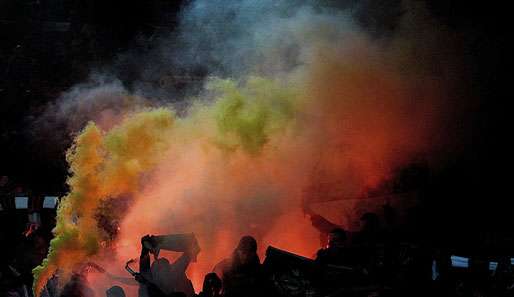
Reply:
x=102 y=99
x=242 y=37
x=297 y=95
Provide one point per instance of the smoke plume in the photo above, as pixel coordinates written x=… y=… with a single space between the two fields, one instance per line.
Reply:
x=298 y=94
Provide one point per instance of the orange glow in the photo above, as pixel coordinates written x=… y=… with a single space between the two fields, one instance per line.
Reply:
x=348 y=122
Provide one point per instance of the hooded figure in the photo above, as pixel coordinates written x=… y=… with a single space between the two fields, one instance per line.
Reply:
x=241 y=274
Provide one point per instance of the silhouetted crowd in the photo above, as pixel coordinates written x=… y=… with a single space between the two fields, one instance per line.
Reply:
x=377 y=260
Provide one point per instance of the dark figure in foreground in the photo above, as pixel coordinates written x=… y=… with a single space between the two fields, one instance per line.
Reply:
x=211 y=286
x=242 y=273
x=115 y=291
x=163 y=278
x=334 y=253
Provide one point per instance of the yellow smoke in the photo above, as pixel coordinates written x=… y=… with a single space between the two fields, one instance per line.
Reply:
x=109 y=164
x=102 y=165
x=238 y=164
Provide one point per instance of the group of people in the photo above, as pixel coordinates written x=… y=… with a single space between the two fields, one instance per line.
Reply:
x=241 y=274
x=377 y=260
x=374 y=261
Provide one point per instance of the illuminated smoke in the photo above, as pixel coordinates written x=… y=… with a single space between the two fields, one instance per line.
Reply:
x=304 y=96
x=102 y=166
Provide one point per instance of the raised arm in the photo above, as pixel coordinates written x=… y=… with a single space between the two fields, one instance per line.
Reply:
x=144 y=258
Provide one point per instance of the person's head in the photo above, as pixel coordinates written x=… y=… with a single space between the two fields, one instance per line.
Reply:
x=211 y=284
x=161 y=274
x=115 y=291
x=246 y=250
x=336 y=238
x=160 y=265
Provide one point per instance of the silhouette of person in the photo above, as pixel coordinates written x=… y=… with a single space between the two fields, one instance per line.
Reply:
x=115 y=291
x=241 y=274
x=334 y=252
x=163 y=278
x=211 y=286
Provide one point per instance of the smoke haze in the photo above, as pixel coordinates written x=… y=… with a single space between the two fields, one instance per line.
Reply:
x=297 y=93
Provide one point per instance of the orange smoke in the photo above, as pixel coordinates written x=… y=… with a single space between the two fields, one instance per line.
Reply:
x=240 y=164
x=353 y=124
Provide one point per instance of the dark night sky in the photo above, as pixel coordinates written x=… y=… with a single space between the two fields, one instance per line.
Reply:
x=38 y=62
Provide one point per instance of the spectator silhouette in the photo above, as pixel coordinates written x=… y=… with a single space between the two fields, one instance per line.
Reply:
x=211 y=286
x=241 y=274
x=163 y=278
x=115 y=291
x=334 y=252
